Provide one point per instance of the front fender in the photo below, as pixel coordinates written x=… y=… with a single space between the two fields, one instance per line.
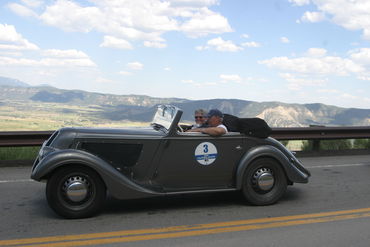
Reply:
x=118 y=185
x=294 y=174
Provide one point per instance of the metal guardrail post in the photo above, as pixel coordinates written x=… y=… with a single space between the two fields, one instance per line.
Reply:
x=316 y=145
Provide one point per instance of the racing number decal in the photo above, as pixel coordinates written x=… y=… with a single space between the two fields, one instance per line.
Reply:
x=205 y=148
x=205 y=153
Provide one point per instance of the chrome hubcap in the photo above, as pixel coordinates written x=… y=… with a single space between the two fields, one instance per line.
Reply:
x=263 y=179
x=76 y=188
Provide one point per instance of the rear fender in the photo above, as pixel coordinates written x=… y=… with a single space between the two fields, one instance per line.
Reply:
x=288 y=164
x=118 y=185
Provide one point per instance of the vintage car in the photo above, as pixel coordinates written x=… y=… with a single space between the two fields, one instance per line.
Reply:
x=81 y=165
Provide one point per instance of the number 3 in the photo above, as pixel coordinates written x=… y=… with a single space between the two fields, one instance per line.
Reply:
x=205 y=148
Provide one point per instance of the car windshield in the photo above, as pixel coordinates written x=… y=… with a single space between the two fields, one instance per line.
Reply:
x=164 y=116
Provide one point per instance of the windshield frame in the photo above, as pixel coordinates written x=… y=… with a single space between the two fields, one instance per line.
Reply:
x=166 y=117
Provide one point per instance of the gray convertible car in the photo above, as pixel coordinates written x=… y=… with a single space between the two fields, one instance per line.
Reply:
x=81 y=165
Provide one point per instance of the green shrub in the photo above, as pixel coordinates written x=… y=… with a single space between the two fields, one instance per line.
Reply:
x=335 y=145
x=328 y=145
x=18 y=153
x=307 y=145
x=361 y=144
x=284 y=142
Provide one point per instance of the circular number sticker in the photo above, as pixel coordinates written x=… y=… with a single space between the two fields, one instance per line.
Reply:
x=206 y=153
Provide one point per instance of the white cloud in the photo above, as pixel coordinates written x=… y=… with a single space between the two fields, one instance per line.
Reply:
x=70 y=16
x=251 y=44
x=113 y=42
x=13 y=42
x=331 y=91
x=361 y=56
x=9 y=61
x=296 y=83
x=32 y=3
x=104 y=80
x=46 y=62
x=69 y=62
x=313 y=17
x=155 y=44
x=300 y=2
x=201 y=48
x=187 y=81
x=7 y=53
x=64 y=53
x=350 y=14
x=200 y=84
x=205 y=22
x=348 y=96
x=316 y=52
x=232 y=78
x=220 y=45
x=285 y=40
x=125 y=73
x=364 y=78
x=65 y=58
x=22 y=10
x=224 y=79
x=10 y=39
x=313 y=68
x=135 y=66
x=194 y=2
x=318 y=64
x=130 y=20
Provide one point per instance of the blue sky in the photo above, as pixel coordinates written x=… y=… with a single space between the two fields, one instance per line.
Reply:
x=293 y=51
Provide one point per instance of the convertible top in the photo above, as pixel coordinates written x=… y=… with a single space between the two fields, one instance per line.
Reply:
x=255 y=127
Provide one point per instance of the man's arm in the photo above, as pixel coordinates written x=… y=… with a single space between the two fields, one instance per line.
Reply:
x=212 y=131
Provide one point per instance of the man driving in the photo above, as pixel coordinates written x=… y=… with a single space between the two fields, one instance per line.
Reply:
x=215 y=126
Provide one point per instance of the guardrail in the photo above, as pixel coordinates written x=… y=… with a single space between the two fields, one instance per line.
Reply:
x=23 y=138
x=321 y=133
x=36 y=138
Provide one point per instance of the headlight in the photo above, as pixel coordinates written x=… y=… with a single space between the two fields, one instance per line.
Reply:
x=44 y=151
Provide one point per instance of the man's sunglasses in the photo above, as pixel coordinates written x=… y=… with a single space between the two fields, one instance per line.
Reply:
x=196 y=117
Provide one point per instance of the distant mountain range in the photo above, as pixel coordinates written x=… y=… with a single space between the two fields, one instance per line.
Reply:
x=141 y=108
x=4 y=81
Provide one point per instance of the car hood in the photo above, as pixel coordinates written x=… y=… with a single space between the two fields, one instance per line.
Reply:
x=65 y=137
x=138 y=131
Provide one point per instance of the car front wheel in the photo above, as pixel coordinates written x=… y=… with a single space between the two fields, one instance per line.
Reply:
x=75 y=192
x=264 y=182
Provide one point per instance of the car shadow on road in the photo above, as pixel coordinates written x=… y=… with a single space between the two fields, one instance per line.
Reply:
x=292 y=194
x=174 y=202
x=164 y=204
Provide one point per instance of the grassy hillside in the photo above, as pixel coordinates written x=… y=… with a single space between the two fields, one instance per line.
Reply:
x=48 y=108
x=29 y=115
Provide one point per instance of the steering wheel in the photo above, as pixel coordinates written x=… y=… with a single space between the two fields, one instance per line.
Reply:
x=179 y=128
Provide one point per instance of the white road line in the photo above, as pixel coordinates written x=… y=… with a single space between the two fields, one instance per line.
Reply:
x=16 y=181
x=335 y=166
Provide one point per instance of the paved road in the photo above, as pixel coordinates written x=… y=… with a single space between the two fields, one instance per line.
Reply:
x=332 y=210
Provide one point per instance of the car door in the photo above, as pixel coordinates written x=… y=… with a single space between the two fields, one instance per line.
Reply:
x=192 y=161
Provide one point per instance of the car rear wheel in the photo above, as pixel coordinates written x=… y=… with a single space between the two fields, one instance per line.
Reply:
x=75 y=192
x=264 y=182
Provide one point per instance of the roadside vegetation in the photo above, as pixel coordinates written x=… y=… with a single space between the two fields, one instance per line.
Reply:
x=18 y=153
x=338 y=144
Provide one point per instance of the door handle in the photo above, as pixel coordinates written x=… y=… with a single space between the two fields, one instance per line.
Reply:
x=238 y=147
